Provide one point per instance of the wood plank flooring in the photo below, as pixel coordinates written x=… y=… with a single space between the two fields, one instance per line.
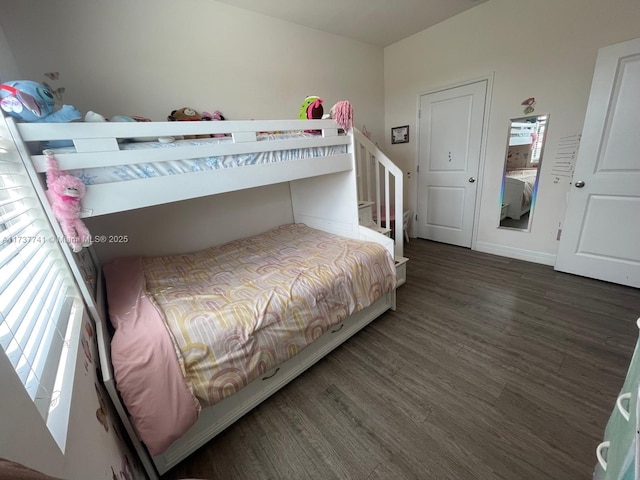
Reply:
x=491 y=368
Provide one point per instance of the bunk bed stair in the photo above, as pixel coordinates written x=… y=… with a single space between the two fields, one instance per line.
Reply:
x=380 y=187
x=365 y=217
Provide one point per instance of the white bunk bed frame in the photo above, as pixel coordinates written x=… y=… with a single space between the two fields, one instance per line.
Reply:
x=324 y=196
x=513 y=198
x=514 y=194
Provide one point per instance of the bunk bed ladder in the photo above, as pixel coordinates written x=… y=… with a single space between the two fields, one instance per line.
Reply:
x=380 y=187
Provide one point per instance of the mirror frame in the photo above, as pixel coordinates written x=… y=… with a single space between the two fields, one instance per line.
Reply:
x=534 y=192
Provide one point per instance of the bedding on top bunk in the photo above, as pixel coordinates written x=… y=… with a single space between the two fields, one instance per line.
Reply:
x=119 y=173
x=193 y=329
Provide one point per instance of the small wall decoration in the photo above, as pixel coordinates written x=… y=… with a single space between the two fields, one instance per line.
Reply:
x=400 y=134
x=57 y=92
x=529 y=105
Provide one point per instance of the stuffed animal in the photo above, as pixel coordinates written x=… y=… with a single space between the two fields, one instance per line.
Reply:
x=186 y=114
x=215 y=116
x=65 y=192
x=342 y=113
x=34 y=102
x=311 y=109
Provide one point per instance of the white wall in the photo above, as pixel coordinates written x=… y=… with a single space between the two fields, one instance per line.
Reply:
x=544 y=49
x=194 y=224
x=8 y=68
x=149 y=57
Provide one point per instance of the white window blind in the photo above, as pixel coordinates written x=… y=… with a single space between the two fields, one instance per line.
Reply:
x=38 y=299
x=541 y=128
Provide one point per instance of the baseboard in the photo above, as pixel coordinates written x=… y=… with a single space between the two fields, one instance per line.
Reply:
x=518 y=253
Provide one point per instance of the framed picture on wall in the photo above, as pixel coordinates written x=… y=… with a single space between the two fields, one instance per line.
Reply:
x=400 y=134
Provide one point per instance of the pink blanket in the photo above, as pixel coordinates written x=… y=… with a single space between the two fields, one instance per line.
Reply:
x=145 y=362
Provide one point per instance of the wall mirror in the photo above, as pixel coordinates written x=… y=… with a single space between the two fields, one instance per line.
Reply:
x=525 y=147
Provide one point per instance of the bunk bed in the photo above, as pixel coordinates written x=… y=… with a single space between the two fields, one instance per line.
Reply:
x=318 y=161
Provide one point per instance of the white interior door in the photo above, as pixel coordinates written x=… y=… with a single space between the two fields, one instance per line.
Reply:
x=451 y=123
x=601 y=233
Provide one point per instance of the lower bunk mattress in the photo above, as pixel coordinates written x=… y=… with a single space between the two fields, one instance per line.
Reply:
x=193 y=329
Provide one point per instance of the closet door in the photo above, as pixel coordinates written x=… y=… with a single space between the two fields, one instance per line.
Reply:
x=601 y=228
x=450 y=146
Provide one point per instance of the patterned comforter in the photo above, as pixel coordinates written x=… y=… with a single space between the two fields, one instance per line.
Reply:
x=237 y=310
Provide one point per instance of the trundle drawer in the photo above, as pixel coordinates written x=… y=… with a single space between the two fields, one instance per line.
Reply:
x=401 y=270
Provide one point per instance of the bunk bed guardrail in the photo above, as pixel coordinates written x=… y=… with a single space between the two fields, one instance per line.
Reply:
x=100 y=145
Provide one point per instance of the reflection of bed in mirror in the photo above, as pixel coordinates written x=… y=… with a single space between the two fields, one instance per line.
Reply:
x=525 y=146
x=518 y=191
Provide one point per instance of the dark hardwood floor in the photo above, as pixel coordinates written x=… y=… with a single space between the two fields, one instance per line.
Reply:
x=491 y=368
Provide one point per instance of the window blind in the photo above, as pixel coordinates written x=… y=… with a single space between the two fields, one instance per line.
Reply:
x=38 y=298
x=540 y=131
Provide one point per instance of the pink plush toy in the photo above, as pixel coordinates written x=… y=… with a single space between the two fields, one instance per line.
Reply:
x=342 y=113
x=65 y=192
x=215 y=116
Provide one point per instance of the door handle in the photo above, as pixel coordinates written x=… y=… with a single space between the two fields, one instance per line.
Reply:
x=579 y=184
x=472 y=179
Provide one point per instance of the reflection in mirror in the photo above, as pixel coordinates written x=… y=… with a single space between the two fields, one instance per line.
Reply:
x=521 y=170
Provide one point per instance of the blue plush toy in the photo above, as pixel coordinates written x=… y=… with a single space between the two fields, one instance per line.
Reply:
x=33 y=102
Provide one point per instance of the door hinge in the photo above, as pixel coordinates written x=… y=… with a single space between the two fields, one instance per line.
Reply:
x=419 y=113
x=418 y=169
x=416 y=217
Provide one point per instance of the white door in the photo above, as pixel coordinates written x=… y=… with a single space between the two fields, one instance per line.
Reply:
x=449 y=156
x=601 y=233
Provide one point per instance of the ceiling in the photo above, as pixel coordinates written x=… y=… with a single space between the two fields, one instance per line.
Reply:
x=377 y=22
